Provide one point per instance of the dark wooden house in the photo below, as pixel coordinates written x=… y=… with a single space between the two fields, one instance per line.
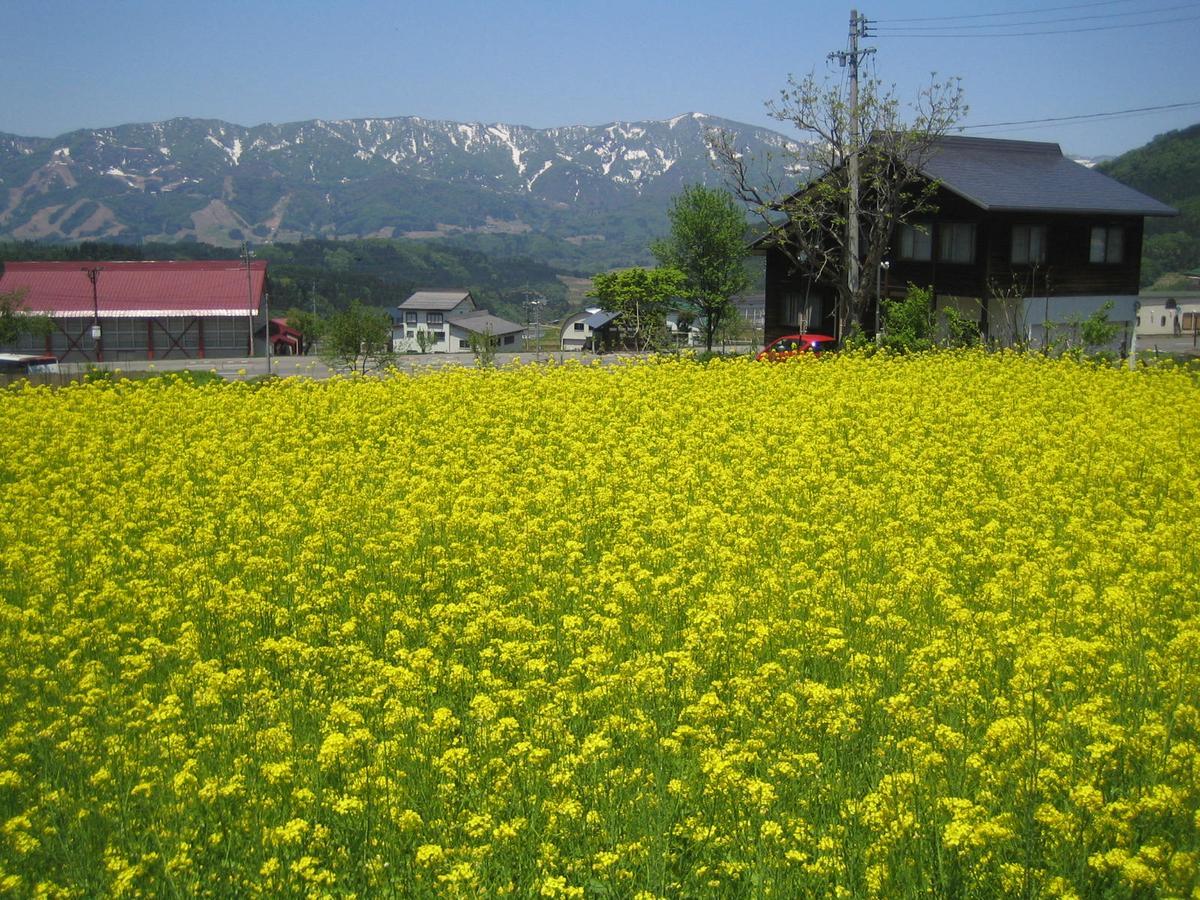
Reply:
x=1019 y=235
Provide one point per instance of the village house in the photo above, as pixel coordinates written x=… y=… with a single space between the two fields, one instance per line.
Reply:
x=1168 y=313
x=112 y=311
x=575 y=330
x=1018 y=236
x=447 y=319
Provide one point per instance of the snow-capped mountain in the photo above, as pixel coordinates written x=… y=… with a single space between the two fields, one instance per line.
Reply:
x=388 y=177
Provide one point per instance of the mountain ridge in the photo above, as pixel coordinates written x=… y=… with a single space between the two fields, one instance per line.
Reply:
x=409 y=176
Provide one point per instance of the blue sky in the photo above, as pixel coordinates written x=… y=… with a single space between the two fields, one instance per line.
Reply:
x=81 y=63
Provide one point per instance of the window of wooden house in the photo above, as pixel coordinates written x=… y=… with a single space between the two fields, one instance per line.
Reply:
x=916 y=242
x=958 y=242
x=792 y=308
x=1028 y=244
x=433 y=318
x=1108 y=244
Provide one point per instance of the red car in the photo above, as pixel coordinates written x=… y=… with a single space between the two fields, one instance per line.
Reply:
x=794 y=344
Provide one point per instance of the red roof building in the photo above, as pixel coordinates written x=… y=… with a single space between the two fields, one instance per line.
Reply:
x=108 y=311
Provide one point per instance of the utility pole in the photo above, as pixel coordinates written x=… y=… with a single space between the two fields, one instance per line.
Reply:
x=859 y=26
x=249 y=296
x=93 y=274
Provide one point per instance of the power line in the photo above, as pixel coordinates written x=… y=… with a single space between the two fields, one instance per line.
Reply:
x=1014 y=12
x=993 y=25
x=996 y=34
x=1100 y=115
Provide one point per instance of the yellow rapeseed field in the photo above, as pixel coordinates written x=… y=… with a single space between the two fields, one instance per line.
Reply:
x=841 y=627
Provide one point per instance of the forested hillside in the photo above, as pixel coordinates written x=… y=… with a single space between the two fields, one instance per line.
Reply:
x=1168 y=169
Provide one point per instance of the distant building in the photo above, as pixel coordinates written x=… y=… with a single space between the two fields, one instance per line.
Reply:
x=752 y=308
x=575 y=330
x=1168 y=313
x=448 y=318
x=113 y=311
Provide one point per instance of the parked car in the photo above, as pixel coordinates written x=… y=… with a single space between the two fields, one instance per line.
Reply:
x=19 y=364
x=794 y=344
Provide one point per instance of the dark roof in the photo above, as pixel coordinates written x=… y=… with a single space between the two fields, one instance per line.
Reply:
x=214 y=287
x=483 y=321
x=435 y=300
x=1030 y=176
x=600 y=319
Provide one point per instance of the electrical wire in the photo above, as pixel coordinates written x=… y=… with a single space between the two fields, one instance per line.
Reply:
x=1013 y=12
x=1156 y=11
x=1053 y=120
x=999 y=34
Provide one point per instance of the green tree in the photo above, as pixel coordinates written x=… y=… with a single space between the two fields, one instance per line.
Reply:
x=734 y=327
x=16 y=320
x=708 y=245
x=642 y=297
x=357 y=338
x=483 y=345
x=310 y=326
x=908 y=323
x=1096 y=332
x=425 y=340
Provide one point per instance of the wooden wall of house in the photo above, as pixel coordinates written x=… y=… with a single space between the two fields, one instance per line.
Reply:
x=1067 y=270
x=780 y=281
x=958 y=279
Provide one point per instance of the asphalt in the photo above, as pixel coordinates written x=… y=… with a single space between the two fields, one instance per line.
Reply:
x=245 y=367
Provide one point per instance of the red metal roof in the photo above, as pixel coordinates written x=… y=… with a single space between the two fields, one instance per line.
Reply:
x=175 y=288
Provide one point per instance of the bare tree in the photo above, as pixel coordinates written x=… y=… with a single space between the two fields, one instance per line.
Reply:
x=809 y=223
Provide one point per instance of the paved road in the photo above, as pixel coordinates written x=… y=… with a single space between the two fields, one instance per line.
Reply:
x=312 y=367
x=1165 y=344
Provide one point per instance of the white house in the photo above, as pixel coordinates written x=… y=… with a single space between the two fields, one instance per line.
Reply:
x=575 y=330
x=1166 y=313
x=447 y=319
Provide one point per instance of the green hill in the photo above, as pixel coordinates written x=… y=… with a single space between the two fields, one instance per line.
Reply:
x=1168 y=169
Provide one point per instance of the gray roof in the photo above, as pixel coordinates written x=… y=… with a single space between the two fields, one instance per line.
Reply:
x=436 y=300
x=1030 y=176
x=483 y=321
x=600 y=319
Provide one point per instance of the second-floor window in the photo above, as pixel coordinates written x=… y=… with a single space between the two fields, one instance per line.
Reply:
x=1108 y=244
x=433 y=319
x=958 y=242
x=410 y=318
x=1028 y=244
x=915 y=242
x=579 y=326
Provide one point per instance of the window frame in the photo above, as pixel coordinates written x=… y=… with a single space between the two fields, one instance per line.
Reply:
x=1108 y=257
x=915 y=234
x=434 y=319
x=947 y=232
x=1030 y=230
